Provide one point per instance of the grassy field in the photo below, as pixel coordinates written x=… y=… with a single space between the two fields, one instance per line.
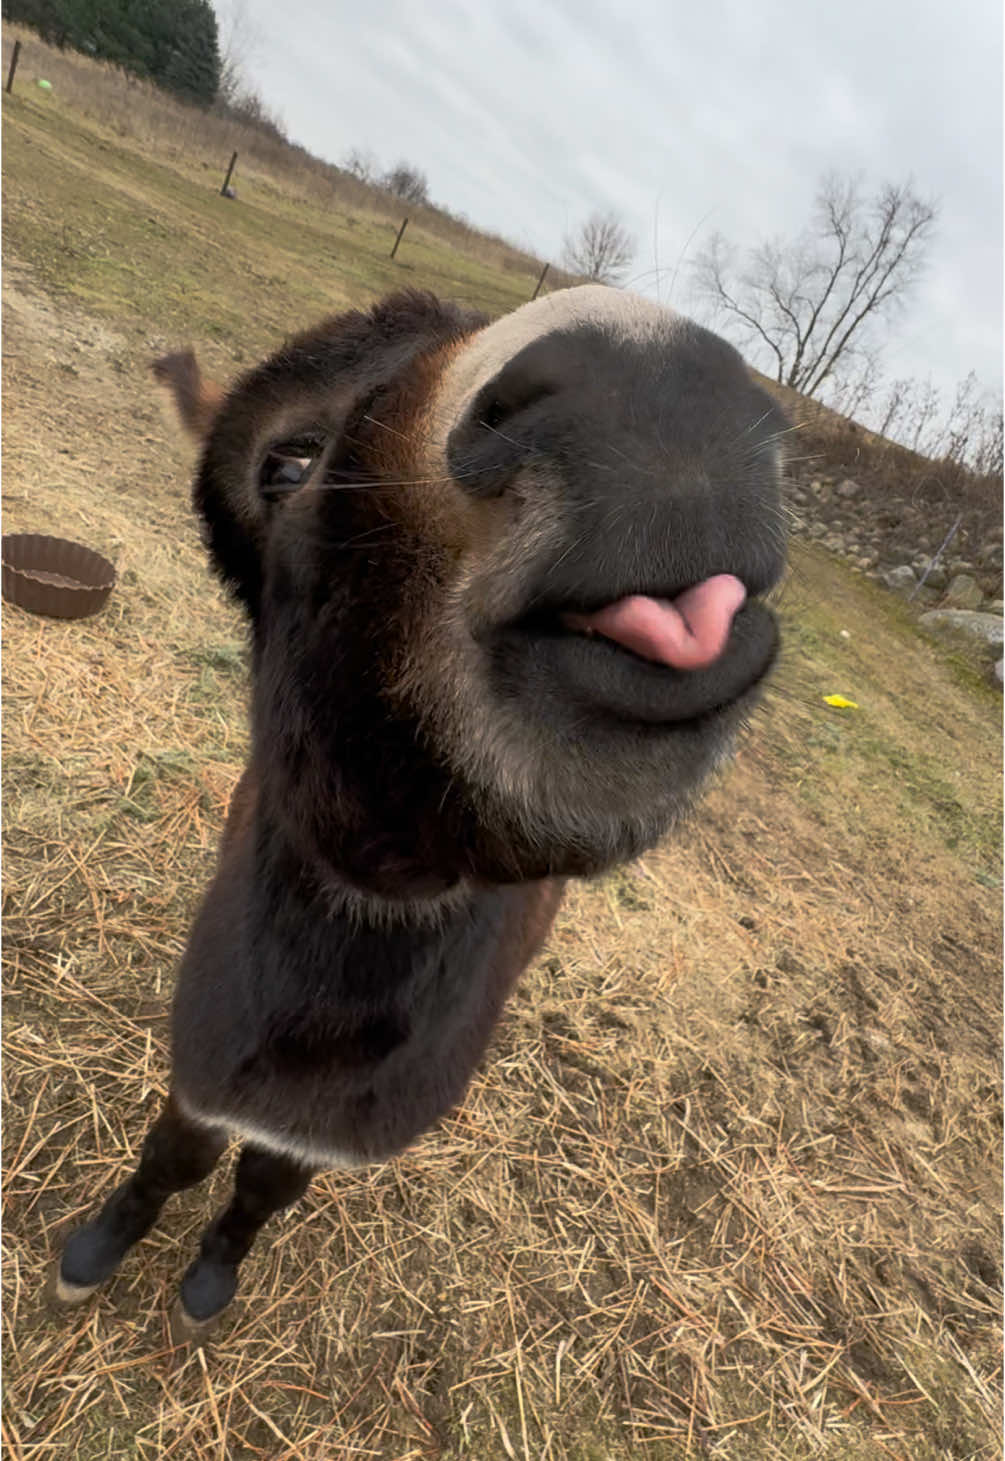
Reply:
x=729 y=1182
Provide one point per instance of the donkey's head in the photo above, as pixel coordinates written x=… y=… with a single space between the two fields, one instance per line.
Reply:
x=504 y=579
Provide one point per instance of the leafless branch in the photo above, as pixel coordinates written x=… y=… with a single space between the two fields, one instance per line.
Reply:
x=602 y=249
x=809 y=301
x=407 y=183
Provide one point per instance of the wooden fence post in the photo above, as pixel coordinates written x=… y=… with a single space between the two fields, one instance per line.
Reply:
x=537 y=286
x=397 y=241
x=13 y=66
x=226 y=181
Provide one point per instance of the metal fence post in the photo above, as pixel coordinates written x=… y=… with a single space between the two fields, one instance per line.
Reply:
x=397 y=241
x=226 y=181
x=13 y=66
x=537 y=286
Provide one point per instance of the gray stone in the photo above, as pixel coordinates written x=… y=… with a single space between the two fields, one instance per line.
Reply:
x=817 y=530
x=848 y=488
x=995 y=606
x=960 y=565
x=1000 y=671
x=991 y=556
x=925 y=595
x=834 y=543
x=964 y=592
x=988 y=627
x=901 y=580
x=937 y=577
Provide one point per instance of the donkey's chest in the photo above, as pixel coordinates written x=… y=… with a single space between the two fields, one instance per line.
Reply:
x=345 y=1059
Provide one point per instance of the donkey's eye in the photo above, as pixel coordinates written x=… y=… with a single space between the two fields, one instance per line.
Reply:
x=287 y=464
x=308 y=444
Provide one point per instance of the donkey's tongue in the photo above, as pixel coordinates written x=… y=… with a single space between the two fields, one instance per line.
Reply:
x=687 y=633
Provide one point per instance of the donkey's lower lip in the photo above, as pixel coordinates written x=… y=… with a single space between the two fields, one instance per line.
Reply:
x=597 y=675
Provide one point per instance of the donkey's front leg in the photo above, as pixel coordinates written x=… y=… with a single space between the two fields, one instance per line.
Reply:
x=176 y=1154
x=265 y=1183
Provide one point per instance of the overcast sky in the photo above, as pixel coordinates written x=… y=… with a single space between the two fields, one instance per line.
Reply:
x=722 y=115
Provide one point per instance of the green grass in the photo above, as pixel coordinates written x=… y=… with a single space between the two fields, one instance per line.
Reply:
x=891 y=751
x=242 y=273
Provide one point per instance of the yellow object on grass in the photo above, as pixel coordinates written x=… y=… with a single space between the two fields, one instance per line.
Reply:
x=840 y=703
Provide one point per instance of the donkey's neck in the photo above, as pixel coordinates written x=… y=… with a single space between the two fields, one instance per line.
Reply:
x=315 y=943
x=294 y=887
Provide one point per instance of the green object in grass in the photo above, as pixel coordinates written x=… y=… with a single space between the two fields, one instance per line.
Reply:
x=44 y=85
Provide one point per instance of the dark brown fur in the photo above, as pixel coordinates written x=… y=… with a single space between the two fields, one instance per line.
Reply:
x=405 y=503
x=196 y=400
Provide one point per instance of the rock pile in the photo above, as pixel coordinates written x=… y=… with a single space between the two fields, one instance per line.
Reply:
x=894 y=540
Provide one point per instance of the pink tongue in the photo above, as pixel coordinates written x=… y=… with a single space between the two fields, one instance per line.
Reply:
x=687 y=633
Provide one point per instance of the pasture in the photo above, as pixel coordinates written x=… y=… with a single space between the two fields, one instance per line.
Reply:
x=729 y=1181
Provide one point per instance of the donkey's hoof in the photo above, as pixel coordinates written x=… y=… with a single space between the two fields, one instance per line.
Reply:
x=89 y=1257
x=206 y=1290
x=64 y=1292
x=187 y=1330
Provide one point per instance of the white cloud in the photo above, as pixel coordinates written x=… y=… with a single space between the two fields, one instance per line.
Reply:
x=525 y=116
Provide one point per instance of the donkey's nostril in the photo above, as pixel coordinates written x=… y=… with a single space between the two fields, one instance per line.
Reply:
x=507 y=420
x=494 y=412
x=502 y=400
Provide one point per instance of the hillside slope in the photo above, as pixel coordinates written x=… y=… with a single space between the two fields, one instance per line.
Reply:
x=728 y=1184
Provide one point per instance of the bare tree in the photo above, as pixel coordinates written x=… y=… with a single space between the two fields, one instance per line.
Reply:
x=361 y=164
x=919 y=430
x=894 y=406
x=805 y=305
x=240 y=40
x=407 y=183
x=966 y=422
x=602 y=249
x=969 y=433
x=990 y=450
x=852 y=387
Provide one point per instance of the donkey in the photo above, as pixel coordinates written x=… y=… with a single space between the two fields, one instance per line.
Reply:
x=505 y=589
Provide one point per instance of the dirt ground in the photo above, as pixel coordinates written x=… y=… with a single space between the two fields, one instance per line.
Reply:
x=728 y=1183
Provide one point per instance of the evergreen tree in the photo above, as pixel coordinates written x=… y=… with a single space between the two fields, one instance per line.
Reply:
x=173 y=43
x=193 y=67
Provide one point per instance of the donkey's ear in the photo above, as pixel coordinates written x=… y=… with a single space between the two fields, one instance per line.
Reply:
x=196 y=400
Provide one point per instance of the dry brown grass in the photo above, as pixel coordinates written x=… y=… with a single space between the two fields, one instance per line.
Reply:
x=910 y=490
x=728 y=1184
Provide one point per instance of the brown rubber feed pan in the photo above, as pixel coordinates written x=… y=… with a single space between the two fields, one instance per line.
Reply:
x=54 y=576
